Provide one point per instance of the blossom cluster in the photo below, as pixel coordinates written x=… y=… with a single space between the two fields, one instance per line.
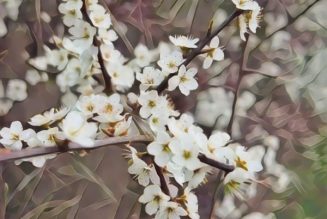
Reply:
x=93 y=117
x=176 y=161
x=177 y=151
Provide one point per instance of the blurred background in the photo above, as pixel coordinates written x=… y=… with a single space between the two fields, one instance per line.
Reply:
x=281 y=105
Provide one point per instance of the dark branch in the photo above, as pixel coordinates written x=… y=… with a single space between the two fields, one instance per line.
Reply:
x=225 y=167
x=96 y=43
x=38 y=151
x=163 y=183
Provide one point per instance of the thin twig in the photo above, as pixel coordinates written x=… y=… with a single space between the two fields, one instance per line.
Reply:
x=239 y=79
x=197 y=51
x=214 y=195
x=163 y=183
x=96 y=43
x=291 y=20
x=225 y=167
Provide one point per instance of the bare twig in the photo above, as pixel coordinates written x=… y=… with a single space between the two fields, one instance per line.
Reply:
x=215 y=194
x=225 y=167
x=163 y=183
x=239 y=79
x=291 y=20
x=96 y=43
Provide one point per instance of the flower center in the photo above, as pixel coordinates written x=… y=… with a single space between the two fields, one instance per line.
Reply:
x=233 y=185
x=165 y=148
x=171 y=65
x=183 y=79
x=151 y=103
x=155 y=120
x=187 y=154
x=52 y=138
x=15 y=136
x=157 y=198
x=241 y=163
x=108 y=108
x=90 y=107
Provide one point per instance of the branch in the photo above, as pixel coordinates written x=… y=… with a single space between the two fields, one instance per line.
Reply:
x=225 y=167
x=38 y=151
x=239 y=79
x=163 y=183
x=197 y=51
x=96 y=43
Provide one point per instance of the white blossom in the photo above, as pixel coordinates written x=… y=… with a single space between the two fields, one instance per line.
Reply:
x=50 y=137
x=170 y=63
x=170 y=210
x=99 y=17
x=12 y=137
x=32 y=76
x=5 y=106
x=89 y=105
x=121 y=75
x=185 y=152
x=150 y=102
x=143 y=173
x=184 y=42
x=109 y=109
x=217 y=147
x=143 y=56
x=77 y=129
x=16 y=90
x=250 y=18
x=191 y=202
x=71 y=10
x=48 y=117
x=150 y=77
x=235 y=182
x=107 y=36
x=248 y=160
x=160 y=149
x=56 y=57
x=213 y=53
x=153 y=197
x=184 y=80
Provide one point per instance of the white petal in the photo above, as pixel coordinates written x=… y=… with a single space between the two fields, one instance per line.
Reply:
x=207 y=62
x=191 y=84
x=16 y=146
x=16 y=127
x=214 y=42
x=151 y=208
x=218 y=55
x=184 y=90
x=173 y=83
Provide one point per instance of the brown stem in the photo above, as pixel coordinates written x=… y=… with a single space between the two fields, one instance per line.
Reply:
x=197 y=51
x=38 y=151
x=239 y=79
x=163 y=183
x=215 y=193
x=96 y=43
x=225 y=167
